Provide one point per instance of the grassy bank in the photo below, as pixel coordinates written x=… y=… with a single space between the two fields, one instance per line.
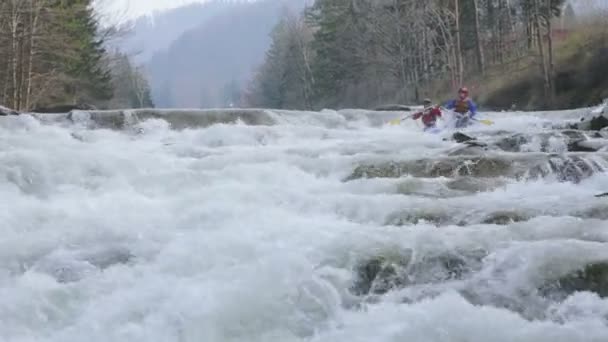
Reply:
x=581 y=75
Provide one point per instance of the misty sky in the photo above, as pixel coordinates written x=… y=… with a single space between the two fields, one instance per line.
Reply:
x=129 y=9
x=135 y=8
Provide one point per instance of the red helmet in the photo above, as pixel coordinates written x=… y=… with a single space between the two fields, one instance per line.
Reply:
x=463 y=93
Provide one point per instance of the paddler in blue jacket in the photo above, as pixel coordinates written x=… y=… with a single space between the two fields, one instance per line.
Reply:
x=464 y=108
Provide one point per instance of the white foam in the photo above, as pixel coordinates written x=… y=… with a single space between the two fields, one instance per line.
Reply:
x=248 y=233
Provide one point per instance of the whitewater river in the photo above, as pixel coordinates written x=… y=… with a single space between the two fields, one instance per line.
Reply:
x=286 y=226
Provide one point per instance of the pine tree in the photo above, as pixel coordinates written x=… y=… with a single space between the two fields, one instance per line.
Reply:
x=90 y=81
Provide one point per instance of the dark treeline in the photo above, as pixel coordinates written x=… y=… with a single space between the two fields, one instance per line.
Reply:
x=362 y=53
x=52 y=53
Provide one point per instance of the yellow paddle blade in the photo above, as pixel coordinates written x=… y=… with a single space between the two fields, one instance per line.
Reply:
x=486 y=122
x=395 y=122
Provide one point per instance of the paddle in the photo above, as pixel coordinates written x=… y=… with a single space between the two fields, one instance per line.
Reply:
x=483 y=121
x=398 y=120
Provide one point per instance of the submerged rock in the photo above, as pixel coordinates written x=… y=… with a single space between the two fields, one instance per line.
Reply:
x=65 y=108
x=570 y=167
x=392 y=108
x=68 y=266
x=461 y=137
x=596 y=123
x=379 y=275
x=471 y=148
x=592 y=278
x=580 y=146
x=602 y=195
x=5 y=111
x=437 y=218
x=473 y=184
x=504 y=218
x=599 y=212
x=107 y=257
x=574 y=134
x=177 y=118
x=591 y=145
x=512 y=143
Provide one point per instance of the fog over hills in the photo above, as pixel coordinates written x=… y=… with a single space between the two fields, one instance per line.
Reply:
x=202 y=54
x=153 y=33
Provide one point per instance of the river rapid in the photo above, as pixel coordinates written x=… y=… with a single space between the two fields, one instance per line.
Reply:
x=300 y=226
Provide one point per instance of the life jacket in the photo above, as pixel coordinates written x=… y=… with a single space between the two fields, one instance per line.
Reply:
x=462 y=106
x=429 y=116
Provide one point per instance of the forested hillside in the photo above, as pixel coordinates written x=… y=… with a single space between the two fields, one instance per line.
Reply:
x=343 y=53
x=52 y=53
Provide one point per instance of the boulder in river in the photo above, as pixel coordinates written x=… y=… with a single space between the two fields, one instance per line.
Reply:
x=589 y=145
x=461 y=137
x=393 y=108
x=504 y=218
x=568 y=167
x=592 y=278
x=64 y=108
x=5 y=111
x=381 y=274
x=596 y=123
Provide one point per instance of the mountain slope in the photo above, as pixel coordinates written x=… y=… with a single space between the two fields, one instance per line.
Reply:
x=206 y=66
x=151 y=34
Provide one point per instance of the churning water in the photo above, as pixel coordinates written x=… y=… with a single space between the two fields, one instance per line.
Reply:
x=300 y=226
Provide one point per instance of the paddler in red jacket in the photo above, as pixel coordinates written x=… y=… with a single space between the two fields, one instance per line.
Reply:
x=429 y=115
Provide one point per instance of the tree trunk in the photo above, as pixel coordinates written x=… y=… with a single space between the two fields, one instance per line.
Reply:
x=551 y=75
x=541 y=50
x=33 y=32
x=14 y=53
x=479 y=42
x=459 y=62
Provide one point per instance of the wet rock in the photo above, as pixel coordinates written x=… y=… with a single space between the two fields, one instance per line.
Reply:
x=177 y=118
x=592 y=278
x=596 y=123
x=472 y=184
x=436 y=218
x=523 y=303
x=504 y=218
x=5 y=111
x=461 y=137
x=599 y=212
x=574 y=134
x=64 y=269
x=441 y=268
x=380 y=274
x=602 y=195
x=105 y=258
x=388 y=170
x=512 y=143
x=591 y=145
x=580 y=146
x=64 y=108
x=392 y=108
x=603 y=133
x=575 y=168
x=567 y=167
x=449 y=167
x=471 y=148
